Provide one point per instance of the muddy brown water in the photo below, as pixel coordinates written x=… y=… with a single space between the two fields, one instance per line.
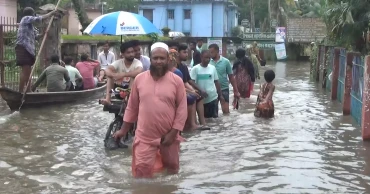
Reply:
x=309 y=147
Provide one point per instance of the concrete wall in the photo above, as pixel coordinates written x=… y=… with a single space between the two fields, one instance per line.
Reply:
x=8 y=9
x=232 y=21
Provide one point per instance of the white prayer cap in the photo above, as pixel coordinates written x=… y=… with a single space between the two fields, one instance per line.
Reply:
x=159 y=45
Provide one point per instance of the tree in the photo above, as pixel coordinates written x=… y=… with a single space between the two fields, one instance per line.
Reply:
x=35 y=4
x=307 y=8
x=119 y=5
x=347 y=21
x=236 y=31
x=81 y=13
x=166 y=31
x=77 y=4
x=261 y=11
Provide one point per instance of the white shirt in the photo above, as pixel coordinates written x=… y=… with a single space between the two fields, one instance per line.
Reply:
x=73 y=74
x=106 y=60
x=120 y=67
x=145 y=61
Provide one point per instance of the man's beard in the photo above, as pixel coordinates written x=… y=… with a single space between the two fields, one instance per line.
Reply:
x=130 y=59
x=158 y=71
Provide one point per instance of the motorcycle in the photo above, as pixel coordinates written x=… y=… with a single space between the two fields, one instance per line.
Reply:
x=119 y=100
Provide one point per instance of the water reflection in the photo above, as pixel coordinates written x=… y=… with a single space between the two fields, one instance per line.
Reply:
x=309 y=147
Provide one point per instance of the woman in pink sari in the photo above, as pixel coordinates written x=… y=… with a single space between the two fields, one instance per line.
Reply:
x=87 y=67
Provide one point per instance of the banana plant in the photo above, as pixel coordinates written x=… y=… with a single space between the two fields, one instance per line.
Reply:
x=347 y=21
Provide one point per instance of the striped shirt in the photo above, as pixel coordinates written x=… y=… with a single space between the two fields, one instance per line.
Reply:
x=26 y=35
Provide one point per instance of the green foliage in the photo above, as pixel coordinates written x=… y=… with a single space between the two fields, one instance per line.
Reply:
x=260 y=10
x=35 y=4
x=313 y=60
x=148 y=38
x=307 y=8
x=154 y=37
x=236 y=32
x=281 y=9
x=9 y=38
x=166 y=31
x=120 y=5
x=81 y=13
x=346 y=22
x=77 y=4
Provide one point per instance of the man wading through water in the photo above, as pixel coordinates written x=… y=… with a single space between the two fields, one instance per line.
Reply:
x=224 y=70
x=25 y=44
x=158 y=104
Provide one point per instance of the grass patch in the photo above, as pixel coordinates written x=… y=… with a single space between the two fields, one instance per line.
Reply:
x=12 y=74
x=102 y=38
x=9 y=53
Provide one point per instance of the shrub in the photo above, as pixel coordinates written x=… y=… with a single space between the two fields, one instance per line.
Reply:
x=103 y=38
x=166 y=31
x=9 y=38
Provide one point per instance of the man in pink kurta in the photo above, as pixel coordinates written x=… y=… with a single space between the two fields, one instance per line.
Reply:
x=86 y=68
x=158 y=103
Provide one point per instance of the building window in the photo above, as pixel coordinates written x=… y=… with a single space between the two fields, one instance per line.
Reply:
x=187 y=33
x=171 y=14
x=148 y=14
x=187 y=13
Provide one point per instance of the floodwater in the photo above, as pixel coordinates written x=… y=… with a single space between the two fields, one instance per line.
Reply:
x=309 y=147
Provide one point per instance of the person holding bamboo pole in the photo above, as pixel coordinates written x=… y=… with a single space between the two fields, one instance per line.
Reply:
x=25 y=44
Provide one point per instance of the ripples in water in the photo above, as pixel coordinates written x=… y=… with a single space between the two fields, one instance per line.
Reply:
x=309 y=147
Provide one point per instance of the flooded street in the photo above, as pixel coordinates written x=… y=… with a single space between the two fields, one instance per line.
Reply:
x=309 y=147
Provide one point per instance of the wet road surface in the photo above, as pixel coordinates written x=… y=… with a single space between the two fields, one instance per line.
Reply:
x=309 y=147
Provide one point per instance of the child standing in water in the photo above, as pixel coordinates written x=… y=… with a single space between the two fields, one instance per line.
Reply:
x=206 y=76
x=265 y=105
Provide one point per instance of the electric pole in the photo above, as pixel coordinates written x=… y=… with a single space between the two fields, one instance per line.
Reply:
x=269 y=20
x=278 y=15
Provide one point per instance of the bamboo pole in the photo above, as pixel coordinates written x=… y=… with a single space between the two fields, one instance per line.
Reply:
x=38 y=55
x=252 y=22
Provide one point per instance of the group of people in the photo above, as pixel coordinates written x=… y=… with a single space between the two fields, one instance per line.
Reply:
x=70 y=76
x=166 y=94
x=166 y=98
x=60 y=75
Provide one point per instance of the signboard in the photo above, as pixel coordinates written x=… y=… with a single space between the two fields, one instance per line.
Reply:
x=280 y=51
x=258 y=36
x=280 y=34
x=217 y=41
x=245 y=23
x=305 y=30
x=261 y=44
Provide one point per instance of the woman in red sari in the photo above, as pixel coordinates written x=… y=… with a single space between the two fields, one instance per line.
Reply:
x=244 y=73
